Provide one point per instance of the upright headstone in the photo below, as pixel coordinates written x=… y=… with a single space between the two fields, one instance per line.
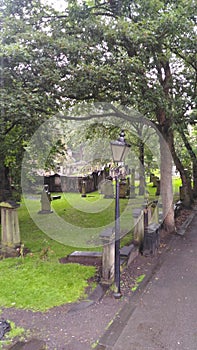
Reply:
x=123 y=188
x=45 y=201
x=10 y=233
x=106 y=188
x=83 y=189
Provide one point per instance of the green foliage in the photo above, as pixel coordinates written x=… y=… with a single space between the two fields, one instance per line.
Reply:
x=139 y=54
x=138 y=280
x=13 y=333
x=29 y=78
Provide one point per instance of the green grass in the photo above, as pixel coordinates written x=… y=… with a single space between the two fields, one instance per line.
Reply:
x=37 y=285
x=76 y=221
x=39 y=281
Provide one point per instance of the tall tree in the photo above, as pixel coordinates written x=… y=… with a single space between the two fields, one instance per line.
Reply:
x=29 y=82
x=138 y=53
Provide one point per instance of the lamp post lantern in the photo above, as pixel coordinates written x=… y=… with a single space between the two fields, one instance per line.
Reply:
x=120 y=150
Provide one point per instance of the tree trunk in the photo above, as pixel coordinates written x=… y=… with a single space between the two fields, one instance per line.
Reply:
x=166 y=183
x=141 y=169
x=186 y=181
x=195 y=178
x=5 y=186
x=193 y=159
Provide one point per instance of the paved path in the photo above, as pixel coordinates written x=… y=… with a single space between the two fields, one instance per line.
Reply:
x=165 y=315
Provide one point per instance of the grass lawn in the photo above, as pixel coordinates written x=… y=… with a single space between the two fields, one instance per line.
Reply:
x=38 y=281
x=38 y=285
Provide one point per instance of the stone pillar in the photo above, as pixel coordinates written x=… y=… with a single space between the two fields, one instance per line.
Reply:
x=10 y=233
x=108 y=256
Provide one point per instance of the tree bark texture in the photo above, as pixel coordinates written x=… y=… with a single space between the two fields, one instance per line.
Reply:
x=5 y=186
x=166 y=185
x=193 y=160
x=141 y=169
x=186 y=181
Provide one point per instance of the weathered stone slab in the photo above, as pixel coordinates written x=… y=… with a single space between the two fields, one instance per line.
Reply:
x=126 y=250
x=86 y=254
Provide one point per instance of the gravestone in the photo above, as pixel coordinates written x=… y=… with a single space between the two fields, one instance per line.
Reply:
x=10 y=233
x=83 y=189
x=123 y=188
x=45 y=201
x=106 y=188
x=151 y=239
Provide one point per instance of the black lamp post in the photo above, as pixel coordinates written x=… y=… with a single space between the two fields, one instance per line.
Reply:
x=120 y=150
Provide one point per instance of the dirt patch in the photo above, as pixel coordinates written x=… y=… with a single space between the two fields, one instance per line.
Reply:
x=87 y=261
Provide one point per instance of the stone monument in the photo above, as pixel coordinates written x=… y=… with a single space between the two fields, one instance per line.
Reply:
x=10 y=233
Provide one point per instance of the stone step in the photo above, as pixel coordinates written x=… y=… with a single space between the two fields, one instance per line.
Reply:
x=33 y=344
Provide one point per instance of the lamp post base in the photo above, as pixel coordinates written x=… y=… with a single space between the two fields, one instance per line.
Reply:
x=117 y=295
